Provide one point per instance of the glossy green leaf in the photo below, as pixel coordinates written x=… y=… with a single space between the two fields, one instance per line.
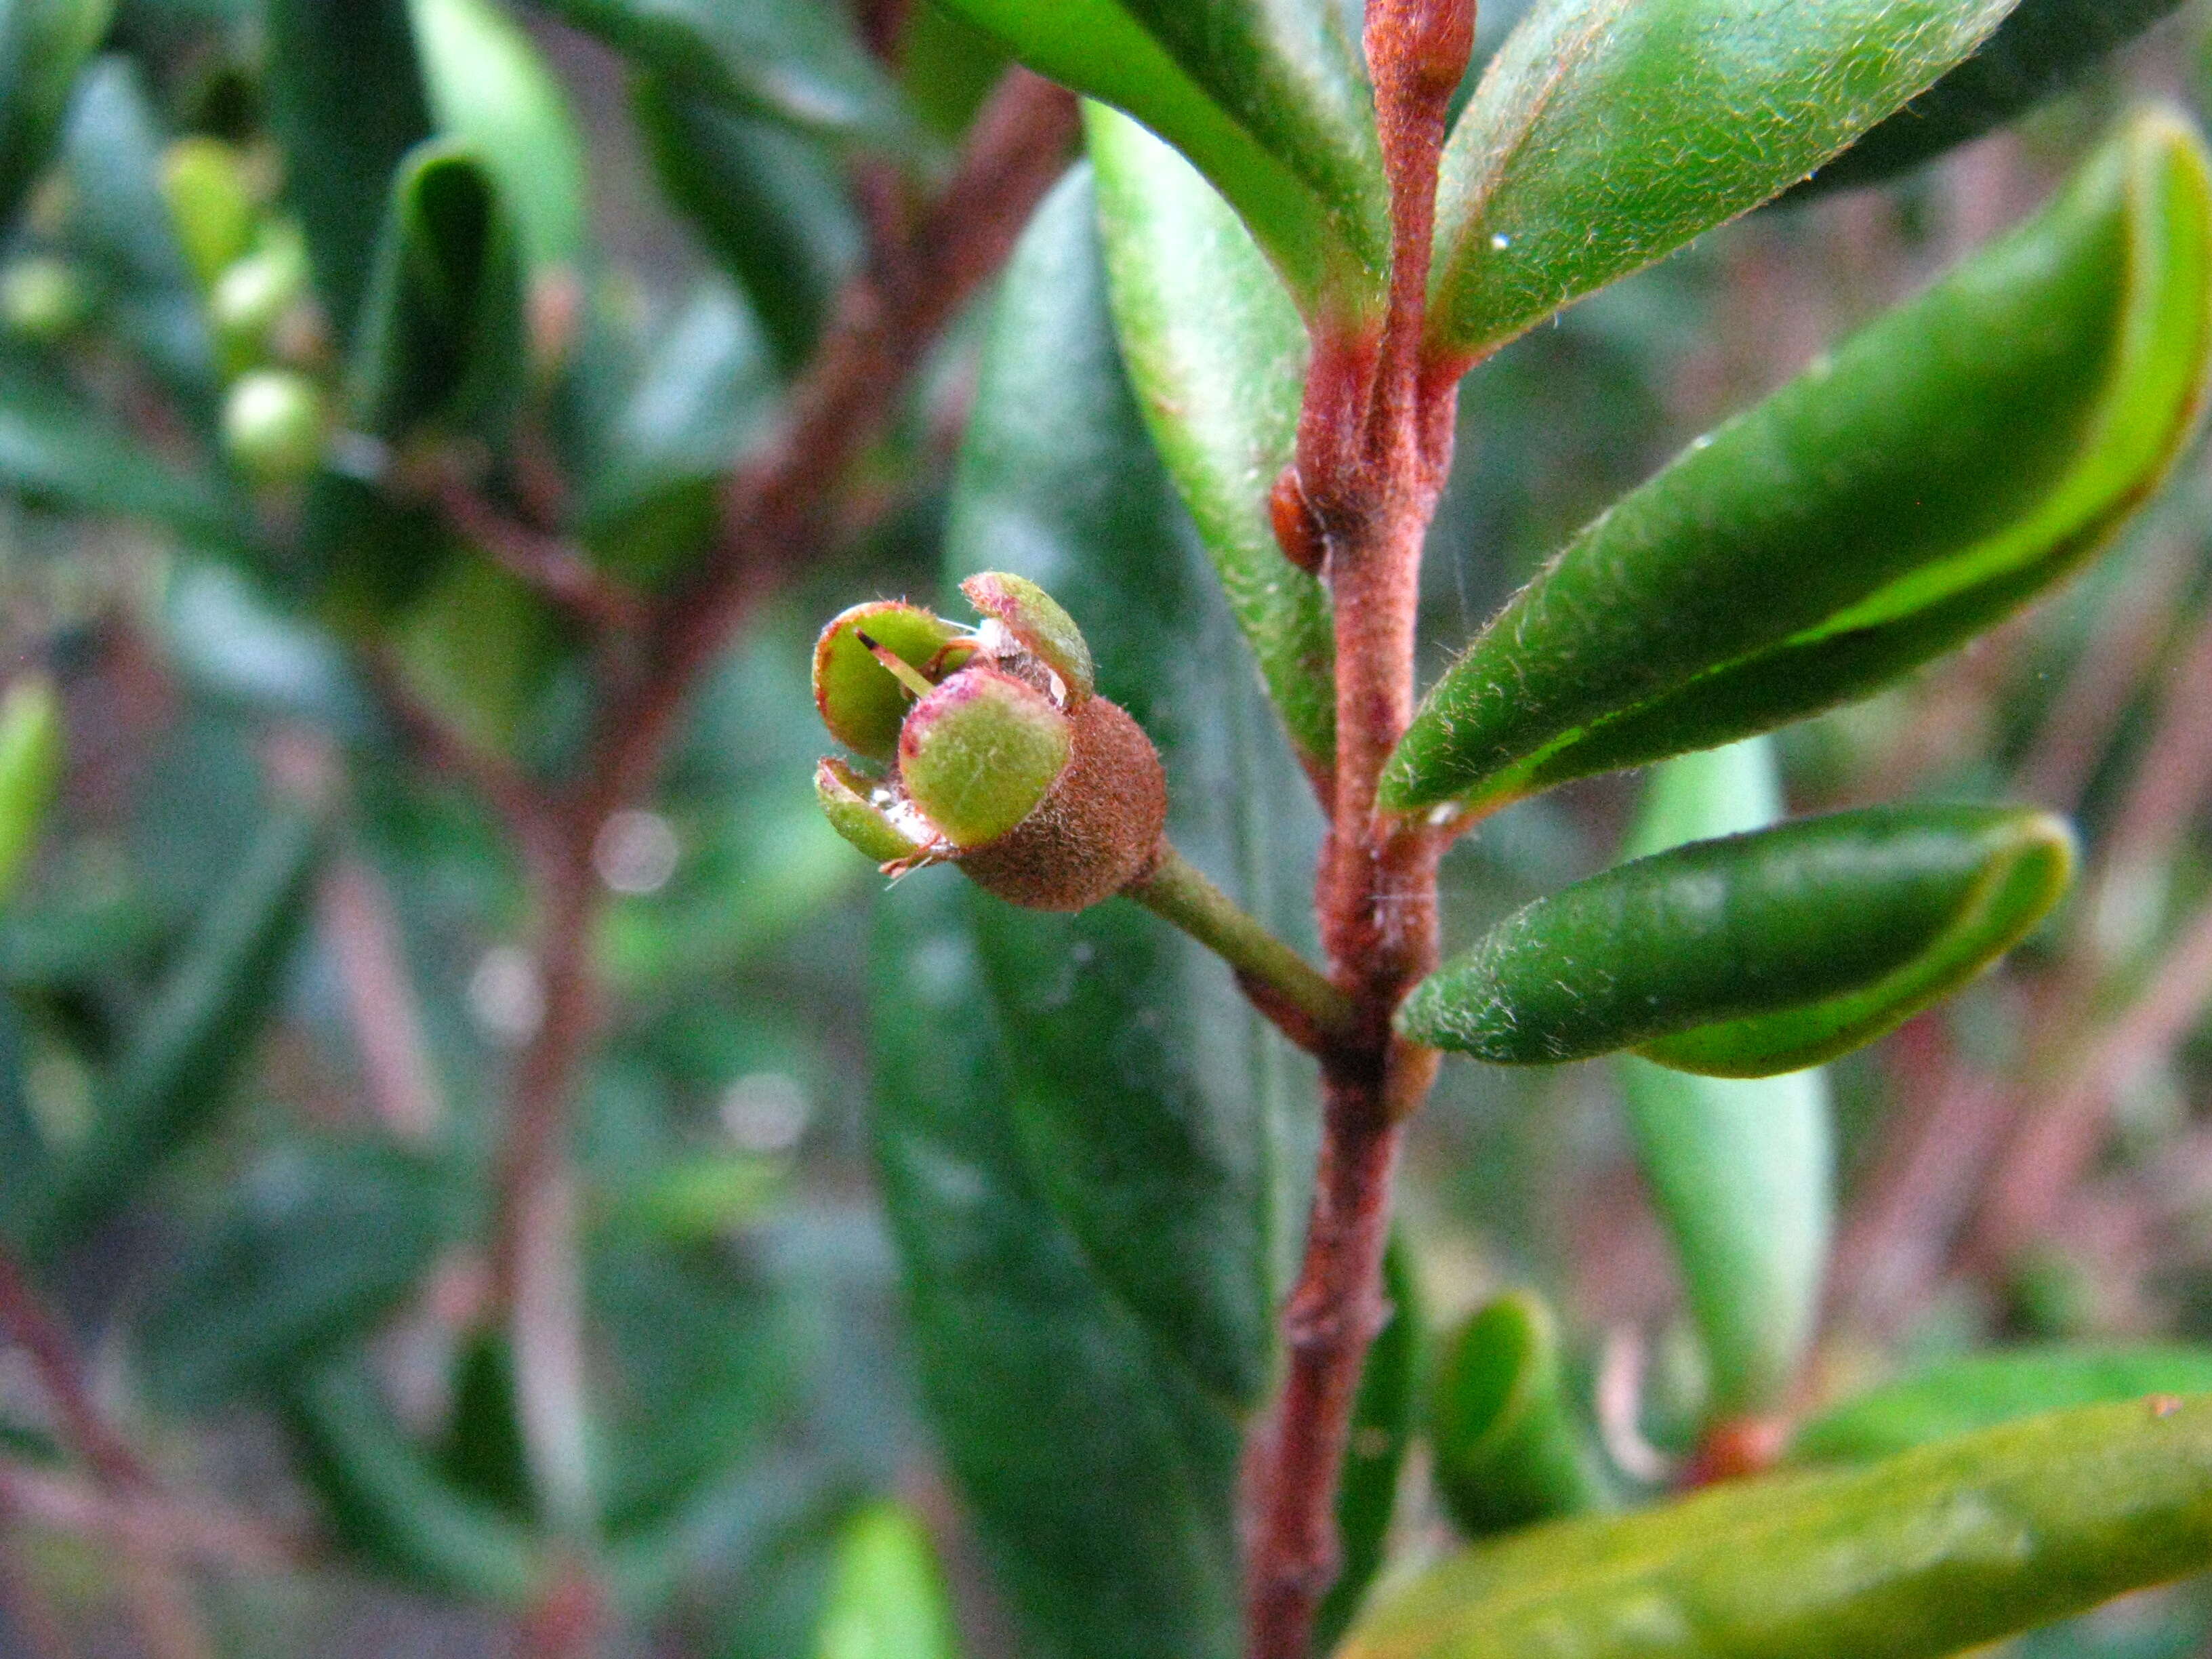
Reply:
x=1981 y=1391
x=441 y=335
x=42 y=46
x=346 y=102
x=887 y=1597
x=388 y=1502
x=1606 y=134
x=193 y=1038
x=2045 y=47
x=1742 y=1171
x=1217 y=355
x=56 y=447
x=1101 y=1481
x=1757 y=954
x=1924 y=1554
x=317 y=1241
x=1936 y=473
x=1510 y=1445
x=796 y=60
x=490 y=91
x=121 y=230
x=1267 y=98
x=771 y=205
x=1384 y=1419
x=1162 y=1158
x=31 y=766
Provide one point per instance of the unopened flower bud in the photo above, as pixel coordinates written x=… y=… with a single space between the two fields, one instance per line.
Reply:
x=1007 y=762
x=211 y=203
x=274 y=425
x=42 y=298
x=253 y=295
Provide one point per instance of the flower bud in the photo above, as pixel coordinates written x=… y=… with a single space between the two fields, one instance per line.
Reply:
x=1007 y=762
x=211 y=203
x=274 y=425
x=254 y=295
x=42 y=298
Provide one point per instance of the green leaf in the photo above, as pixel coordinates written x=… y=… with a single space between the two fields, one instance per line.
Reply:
x=1101 y=1481
x=194 y=1038
x=56 y=447
x=798 y=61
x=1928 y=1554
x=1510 y=1445
x=386 y=1501
x=1383 y=1422
x=42 y=46
x=1981 y=1391
x=1217 y=355
x=1267 y=98
x=31 y=767
x=318 y=1241
x=1606 y=134
x=441 y=335
x=120 y=228
x=2045 y=47
x=887 y=1597
x=346 y=102
x=1161 y=1158
x=1741 y=1170
x=771 y=205
x=1757 y=954
x=1938 y=472
x=490 y=91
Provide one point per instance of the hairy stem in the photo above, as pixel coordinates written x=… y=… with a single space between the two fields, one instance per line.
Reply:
x=1374 y=445
x=1314 y=1013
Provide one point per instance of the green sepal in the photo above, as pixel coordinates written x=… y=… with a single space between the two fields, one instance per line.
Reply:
x=979 y=753
x=42 y=46
x=1604 y=136
x=1267 y=98
x=1039 y=622
x=2044 y=48
x=346 y=102
x=887 y=1597
x=1740 y=1170
x=1981 y=1391
x=1924 y=1554
x=845 y=797
x=860 y=701
x=31 y=764
x=1942 y=470
x=1510 y=1446
x=1217 y=355
x=1755 y=954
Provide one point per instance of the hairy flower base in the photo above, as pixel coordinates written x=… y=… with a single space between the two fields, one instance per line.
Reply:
x=1097 y=830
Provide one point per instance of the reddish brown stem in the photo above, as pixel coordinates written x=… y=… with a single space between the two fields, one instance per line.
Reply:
x=1374 y=444
x=556 y=568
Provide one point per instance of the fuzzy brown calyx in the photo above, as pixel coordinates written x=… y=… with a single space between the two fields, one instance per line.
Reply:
x=1098 y=829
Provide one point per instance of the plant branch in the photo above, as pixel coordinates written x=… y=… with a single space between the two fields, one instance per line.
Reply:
x=1311 y=1011
x=555 y=568
x=1374 y=445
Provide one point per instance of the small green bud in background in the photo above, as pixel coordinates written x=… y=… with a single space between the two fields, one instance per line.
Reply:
x=1509 y=1450
x=212 y=203
x=30 y=771
x=42 y=298
x=255 y=295
x=1047 y=795
x=274 y=425
x=887 y=1597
